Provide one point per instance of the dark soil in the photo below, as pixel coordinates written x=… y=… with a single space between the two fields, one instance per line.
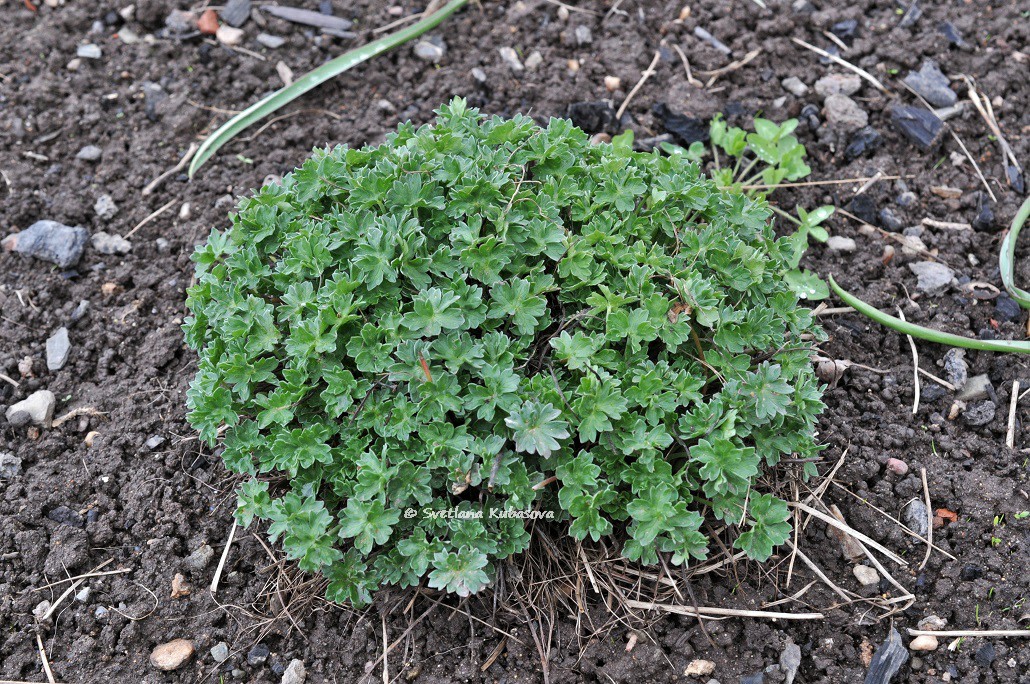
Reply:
x=148 y=509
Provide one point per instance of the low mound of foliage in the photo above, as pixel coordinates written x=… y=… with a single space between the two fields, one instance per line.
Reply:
x=408 y=347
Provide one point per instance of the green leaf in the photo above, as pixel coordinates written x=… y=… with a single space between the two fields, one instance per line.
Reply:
x=536 y=428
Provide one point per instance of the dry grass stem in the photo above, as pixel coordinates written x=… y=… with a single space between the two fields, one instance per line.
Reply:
x=46 y=661
x=153 y=215
x=221 y=561
x=1010 y=435
x=844 y=63
x=973 y=633
x=710 y=612
x=647 y=73
x=915 y=367
x=154 y=184
x=929 y=518
x=850 y=531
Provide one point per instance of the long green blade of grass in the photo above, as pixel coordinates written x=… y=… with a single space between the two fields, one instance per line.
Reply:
x=927 y=334
x=1007 y=258
x=313 y=79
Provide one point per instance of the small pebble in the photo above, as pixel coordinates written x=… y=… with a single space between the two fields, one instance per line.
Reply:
x=838 y=84
x=37 y=408
x=583 y=35
x=208 y=22
x=89 y=153
x=976 y=387
x=534 y=60
x=236 y=12
x=229 y=35
x=890 y=221
x=921 y=126
x=930 y=83
x=981 y=414
x=163 y=246
x=101 y=612
x=866 y=140
x=155 y=441
x=866 y=575
x=89 y=51
x=924 y=642
x=199 y=559
x=843 y=112
x=612 y=83
x=932 y=623
x=1007 y=309
x=699 y=668
x=105 y=207
x=127 y=35
x=429 y=50
x=511 y=58
x=956 y=370
x=258 y=654
x=294 y=673
x=220 y=652
x=106 y=243
x=57 y=348
x=478 y=74
x=970 y=573
x=915 y=517
x=83 y=595
x=839 y=243
x=795 y=86
x=73 y=64
x=269 y=41
x=10 y=466
x=897 y=466
x=172 y=655
x=41 y=608
x=931 y=276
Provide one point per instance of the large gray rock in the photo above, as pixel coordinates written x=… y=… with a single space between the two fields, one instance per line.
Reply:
x=50 y=241
x=843 y=112
x=37 y=408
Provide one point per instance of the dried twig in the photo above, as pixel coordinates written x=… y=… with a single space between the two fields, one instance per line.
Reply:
x=709 y=612
x=946 y=225
x=153 y=185
x=844 y=63
x=929 y=518
x=686 y=65
x=915 y=366
x=972 y=633
x=74 y=585
x=1010 y=436
x=11 y=380
x=46 y=661
x=75 y=413
x=647 y=73
x=153 y=215
x=943 y=383
x=713 y=76
x=850 y=531
x=221 y=561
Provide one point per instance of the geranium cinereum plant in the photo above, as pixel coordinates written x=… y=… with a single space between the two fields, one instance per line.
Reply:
x=482 y=306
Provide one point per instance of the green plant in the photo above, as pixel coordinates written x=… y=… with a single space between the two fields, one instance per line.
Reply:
x=1007 y=256
x=316 y=77
x=757 y=164
x=923 y=333
x=404 y=344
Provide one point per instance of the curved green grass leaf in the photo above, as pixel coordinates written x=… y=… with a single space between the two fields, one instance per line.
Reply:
x=922 y=333
x=1007 y=258
x=280 y=98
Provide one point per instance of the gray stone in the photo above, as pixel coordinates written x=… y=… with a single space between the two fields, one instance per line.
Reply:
x=931 y=276
x=81 y=310
x=583 y=35
x=976 y=387
x=790 y=661
x=981 y=414
x=90 y=153
x=199 y=559
x=930 y=83
x=220 y=652
x=83 y=594
x=914 y=517
x=795 y=86
x=431 y=50
x=236 y=12
x=843 y=112
x=534 y=60
x=106 y=243
x=10 y=466
x=105 y=207
x=511 y=58
x=57 y=348
x=37 y=408
x=478 y=74
x=838 y=84
x=41 y=608
x=155 y=441
x=955 y=367
x=50 y=241
x=269 y=41
x=258 y=654
x=67 y=516
x=294 y=673
x=101 y=612
x=866 y=576
x=888 y=659
x=90 y=51
x=839 y=243
x=712 y=40
x=921 y=126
